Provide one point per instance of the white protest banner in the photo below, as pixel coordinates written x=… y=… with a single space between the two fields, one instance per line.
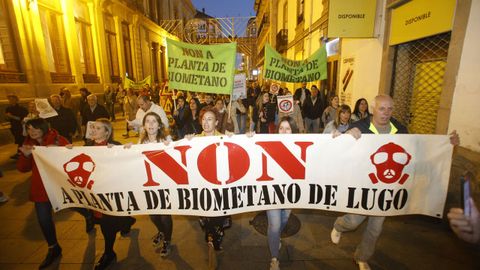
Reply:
x=44 y=108
x=239 y=87
x=285 y=104
x=381 y=175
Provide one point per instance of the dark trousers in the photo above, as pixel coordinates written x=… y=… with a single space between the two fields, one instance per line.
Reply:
x=215 y=227
x=45 y=220
x=164 y=224
x=110 y=226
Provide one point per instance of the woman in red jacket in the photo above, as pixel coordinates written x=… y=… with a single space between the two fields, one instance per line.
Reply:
x=39 y=134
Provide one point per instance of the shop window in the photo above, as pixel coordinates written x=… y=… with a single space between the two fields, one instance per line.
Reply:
x=10 y=71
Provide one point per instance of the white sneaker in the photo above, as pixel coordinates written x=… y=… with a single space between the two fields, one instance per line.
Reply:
x=166 y=249
x=274 y=264
x=157 y=239
x=363 y=265
x=335 y=236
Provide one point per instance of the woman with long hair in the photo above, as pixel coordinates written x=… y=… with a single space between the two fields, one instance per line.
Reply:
x=342 y=121
x=213 y=226
x=361 y=110
x=192 y=122
x=331 y=111
x=266 y=110
x=278 y=218
x=154 y=132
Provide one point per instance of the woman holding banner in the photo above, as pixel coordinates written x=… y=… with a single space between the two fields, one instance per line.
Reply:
x=102 y=135
x=278 y=218
x=213 y=226
x=154 y=132
x=39 y=134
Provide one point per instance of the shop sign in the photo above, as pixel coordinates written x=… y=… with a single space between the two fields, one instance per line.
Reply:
x=420 y=18
x=351 y=18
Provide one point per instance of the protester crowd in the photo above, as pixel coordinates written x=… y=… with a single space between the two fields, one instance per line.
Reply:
x=201 y=114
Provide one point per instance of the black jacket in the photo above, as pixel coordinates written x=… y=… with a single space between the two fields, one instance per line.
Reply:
x=312 y=110
x=65 y=122
x=99 y=112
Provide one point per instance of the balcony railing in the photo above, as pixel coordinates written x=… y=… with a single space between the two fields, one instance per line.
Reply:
x=91 y=78
x=115 y=79
x=12 y=77
x=62 y=77
x=282 y=40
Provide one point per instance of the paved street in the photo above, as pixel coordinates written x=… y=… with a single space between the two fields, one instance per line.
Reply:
x=412 y=242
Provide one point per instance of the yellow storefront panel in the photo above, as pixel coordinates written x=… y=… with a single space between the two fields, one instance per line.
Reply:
x=351 y=18
x=421 y=18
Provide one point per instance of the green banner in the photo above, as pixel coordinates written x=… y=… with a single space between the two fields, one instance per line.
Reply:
x=278 y=68
x=201 y=68
x=137 y=85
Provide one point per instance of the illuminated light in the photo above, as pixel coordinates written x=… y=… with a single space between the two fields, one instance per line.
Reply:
x=332 y=47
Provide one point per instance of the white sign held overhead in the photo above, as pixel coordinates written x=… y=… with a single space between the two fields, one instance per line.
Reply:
x=239 y=87
x=285 y=104
x=44 y=108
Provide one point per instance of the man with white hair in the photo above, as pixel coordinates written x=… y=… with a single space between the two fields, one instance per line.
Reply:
x=146 y=106
x=381 y=122
x=93 y=111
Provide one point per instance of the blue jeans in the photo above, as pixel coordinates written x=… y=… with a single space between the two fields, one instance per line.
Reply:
x=312 y=125
x=242 y=122
x=45 y=219
x=277 y=220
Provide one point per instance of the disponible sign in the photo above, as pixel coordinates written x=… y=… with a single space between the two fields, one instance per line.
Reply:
x=201 y=68
x=421 y=18
x=351 y=18
x=278 y=68
x=382 y=175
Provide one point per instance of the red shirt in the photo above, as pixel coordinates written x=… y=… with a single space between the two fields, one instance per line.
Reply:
x=26 y=164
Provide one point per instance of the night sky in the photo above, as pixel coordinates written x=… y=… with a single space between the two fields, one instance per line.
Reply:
x=226 y=8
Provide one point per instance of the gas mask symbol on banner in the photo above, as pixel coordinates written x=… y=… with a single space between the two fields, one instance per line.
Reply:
x=79 y=170
x=390 y=160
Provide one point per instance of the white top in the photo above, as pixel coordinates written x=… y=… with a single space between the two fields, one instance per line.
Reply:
x=137 y=123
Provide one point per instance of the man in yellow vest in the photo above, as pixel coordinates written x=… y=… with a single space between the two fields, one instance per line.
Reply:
x=381 y=122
